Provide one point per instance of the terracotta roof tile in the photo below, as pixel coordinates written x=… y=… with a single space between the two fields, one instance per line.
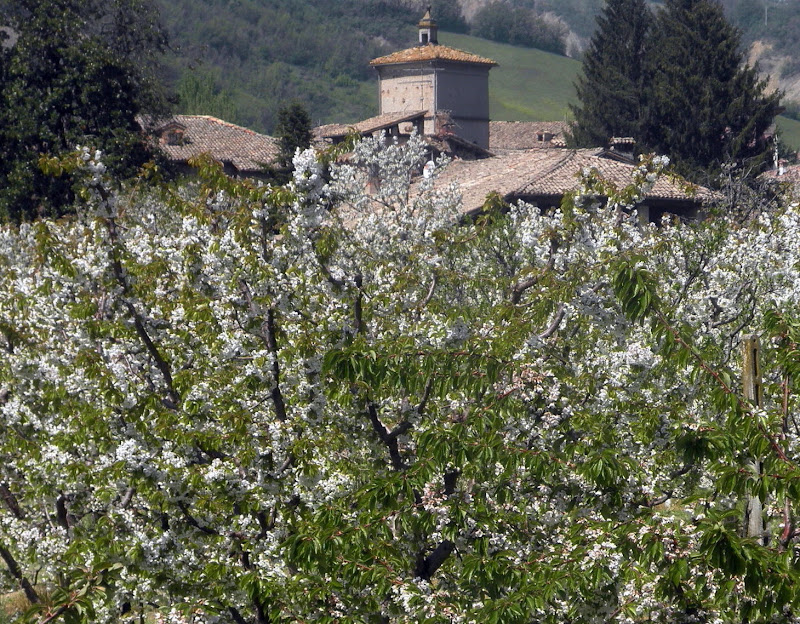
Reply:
x=368 y=126
x=226 y=142
x=790 y=173
x=431 y=52
x=517 y=135
x=789 y=177
x=538 y=172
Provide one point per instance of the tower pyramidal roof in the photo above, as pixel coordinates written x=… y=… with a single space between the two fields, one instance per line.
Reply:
x=429 y=49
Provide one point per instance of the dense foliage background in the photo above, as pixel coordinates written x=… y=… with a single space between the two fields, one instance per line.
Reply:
x=679 y=84
x=78 y=70
x=255 y=56
x=250 y=404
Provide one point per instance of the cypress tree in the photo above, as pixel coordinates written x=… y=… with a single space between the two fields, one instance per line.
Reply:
x=610 y=87
x=293 y=131
x=704 y=106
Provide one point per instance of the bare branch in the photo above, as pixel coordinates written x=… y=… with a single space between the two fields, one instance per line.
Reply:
x=11 y=501
x=237 y=617
x=193 y=522
x=520 y=287
x=128 y=497
x=450 y=480
x=138 y=322
x=268 y=335
x=555 y=324
x=358 y=312
x=272 y=343
x=426 y=395
x=427 y=566
x=429 y=296
x=54 y=615
x=387 y=437
x=62 y=515
x=13 y=567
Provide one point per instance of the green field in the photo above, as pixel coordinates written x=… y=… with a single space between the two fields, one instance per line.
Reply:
x=531 y=85
x=790 y=132
x=528 y=84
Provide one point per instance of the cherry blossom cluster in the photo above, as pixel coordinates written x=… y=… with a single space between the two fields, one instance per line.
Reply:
x=339 y=401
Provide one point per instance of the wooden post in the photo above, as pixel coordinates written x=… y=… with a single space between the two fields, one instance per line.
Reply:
x=751 y=380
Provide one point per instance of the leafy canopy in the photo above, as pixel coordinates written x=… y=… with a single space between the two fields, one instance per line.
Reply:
x=80 y=70
x=252 y=404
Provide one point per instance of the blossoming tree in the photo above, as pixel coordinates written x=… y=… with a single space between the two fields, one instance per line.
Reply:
x=313 y=403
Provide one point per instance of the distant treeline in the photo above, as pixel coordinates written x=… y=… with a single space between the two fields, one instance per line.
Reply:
x=241 y=60
x=519 y=26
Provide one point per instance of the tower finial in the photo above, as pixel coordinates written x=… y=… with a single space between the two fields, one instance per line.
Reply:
x=428 y=30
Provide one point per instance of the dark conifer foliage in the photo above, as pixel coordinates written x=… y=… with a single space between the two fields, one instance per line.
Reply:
x=293 y=131
x=610 y=88
x=704 y=106
x=79 y=72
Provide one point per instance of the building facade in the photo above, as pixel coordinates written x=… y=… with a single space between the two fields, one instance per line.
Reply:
x=451 y=86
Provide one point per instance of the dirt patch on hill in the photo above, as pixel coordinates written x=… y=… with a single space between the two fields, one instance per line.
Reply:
x=772 y=66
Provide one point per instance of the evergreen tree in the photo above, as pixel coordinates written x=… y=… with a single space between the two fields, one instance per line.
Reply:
x=79 y=73
x=704 y=106
x=610 y=88
x=293 y=131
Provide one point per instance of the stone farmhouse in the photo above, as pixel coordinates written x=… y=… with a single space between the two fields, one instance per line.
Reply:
x=443 y=94
x=447 y=91
x=436 y=78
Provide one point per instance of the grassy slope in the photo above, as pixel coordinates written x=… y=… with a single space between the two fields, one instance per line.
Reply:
x=790 y=132
x=531 y=85
x=528 y=85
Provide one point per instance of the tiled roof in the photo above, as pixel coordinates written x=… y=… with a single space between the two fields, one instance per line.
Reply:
x=520 y=135
x=456 y=147
x=788 y=176
x=226 y=142
x=537 y=173
x=431 y=52
x=790 y=173
x=368 y=126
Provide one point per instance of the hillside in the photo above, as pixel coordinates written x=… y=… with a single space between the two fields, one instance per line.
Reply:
x=770 y=31
x=528 y=84
x=256 y=55
x=242 y=59
x=531 y=85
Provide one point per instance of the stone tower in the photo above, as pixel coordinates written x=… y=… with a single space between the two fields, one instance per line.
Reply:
x=444 y=82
